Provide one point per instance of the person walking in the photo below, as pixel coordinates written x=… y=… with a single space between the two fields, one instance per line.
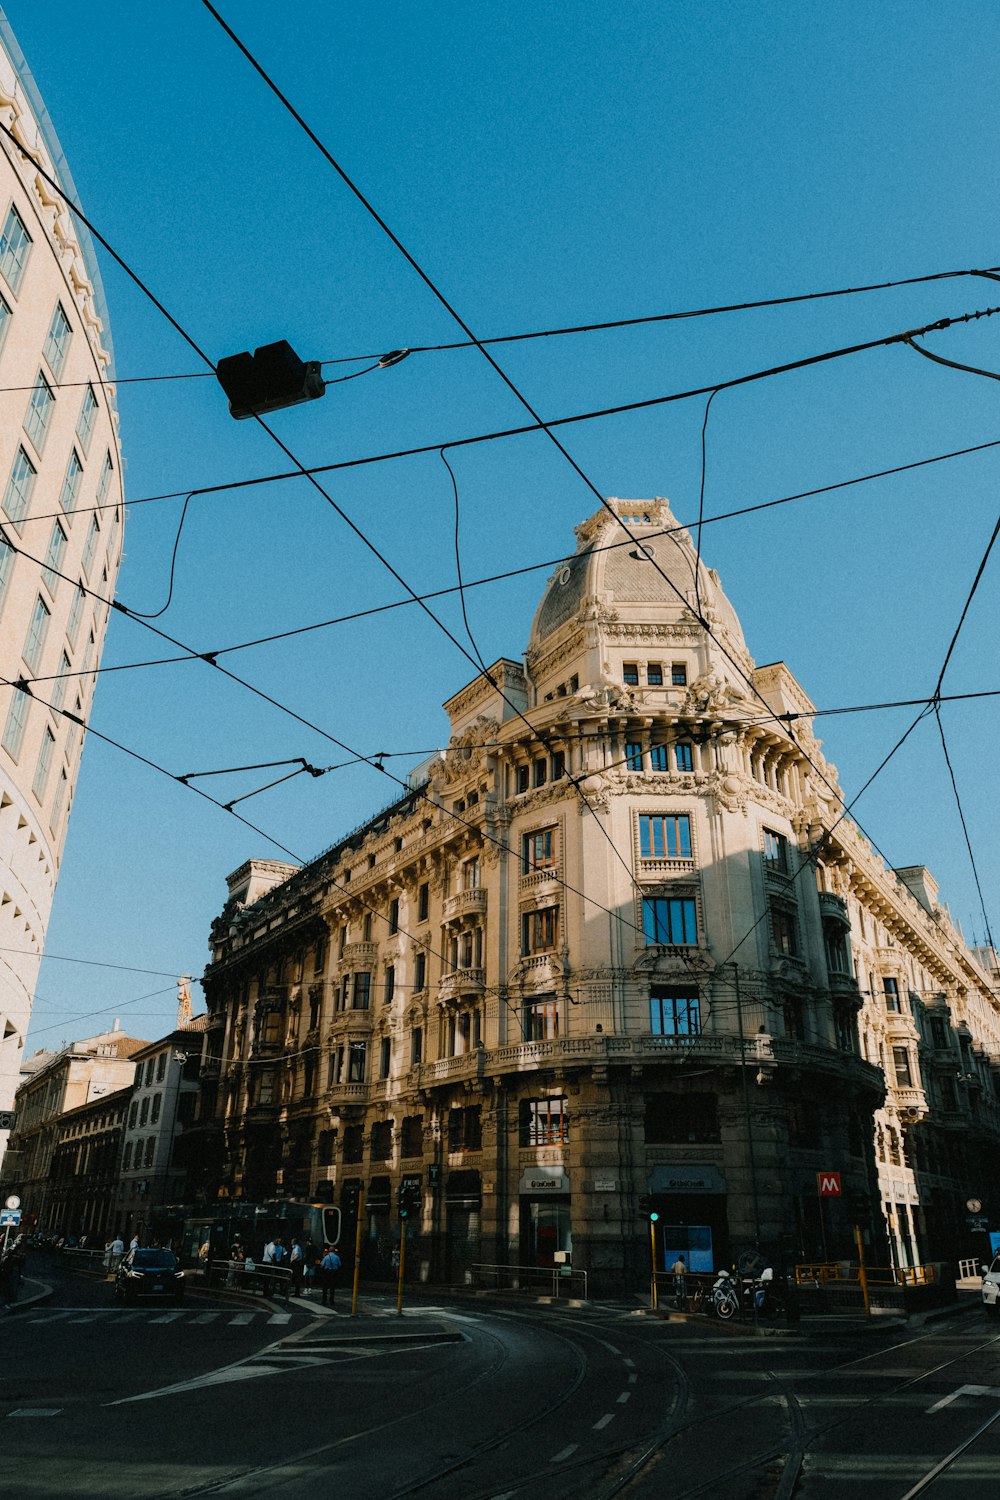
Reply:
x=310 y=1258
x=297 y=1267
x=329 y=1272
x=679 y=1271
x=275 y=1254
x=113 y=1252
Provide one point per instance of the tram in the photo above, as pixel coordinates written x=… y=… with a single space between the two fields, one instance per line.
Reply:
x=200 y=1235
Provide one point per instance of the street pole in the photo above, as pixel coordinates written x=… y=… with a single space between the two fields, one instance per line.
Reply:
x=357 y=1253
x=652 y=1256
x=862 y=1273
x=402 y=1267
x=746 y=1110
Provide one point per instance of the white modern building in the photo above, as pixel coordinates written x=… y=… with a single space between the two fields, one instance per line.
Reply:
x=60 y=528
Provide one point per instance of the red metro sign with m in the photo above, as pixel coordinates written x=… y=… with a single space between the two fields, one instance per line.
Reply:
x=828 y=1184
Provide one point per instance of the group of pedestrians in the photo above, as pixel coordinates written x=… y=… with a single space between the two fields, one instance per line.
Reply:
x=305 y=1264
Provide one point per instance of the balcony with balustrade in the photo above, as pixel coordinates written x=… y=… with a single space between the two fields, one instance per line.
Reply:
x=470 y=903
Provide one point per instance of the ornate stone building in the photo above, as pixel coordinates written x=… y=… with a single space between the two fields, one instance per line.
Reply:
x=54 y=1086
x=60 y=529
x=613 y=945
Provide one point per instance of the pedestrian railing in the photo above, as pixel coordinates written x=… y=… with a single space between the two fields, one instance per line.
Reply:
x=969 y=1269
x=833 y=1275
x=255 y=1276
x=552 y=1281
x=84 y=1260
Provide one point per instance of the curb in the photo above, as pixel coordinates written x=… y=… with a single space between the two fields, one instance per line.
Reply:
x=24 y=1303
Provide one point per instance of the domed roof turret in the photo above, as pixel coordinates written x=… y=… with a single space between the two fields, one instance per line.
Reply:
x=650 y=578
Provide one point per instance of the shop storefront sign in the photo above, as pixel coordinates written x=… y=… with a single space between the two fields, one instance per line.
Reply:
x=541 y=1181
x=687 y=1177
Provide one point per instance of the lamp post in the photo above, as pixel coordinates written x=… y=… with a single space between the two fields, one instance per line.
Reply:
x=746 y=1108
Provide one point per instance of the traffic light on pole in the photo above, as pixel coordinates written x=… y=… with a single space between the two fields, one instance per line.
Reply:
x=409 y=1199
x=647 y=1210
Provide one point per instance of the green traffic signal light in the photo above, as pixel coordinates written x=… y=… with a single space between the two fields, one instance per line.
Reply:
x=654 y=1218
x=403 y=1212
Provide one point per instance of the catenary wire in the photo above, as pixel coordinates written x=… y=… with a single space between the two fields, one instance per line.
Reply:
x=512 y=387
x=291 y=474
x=93 y=963
x=990 y=375
x=547 y=333
x=798 y=364
x=940 y=324
x=701 y=504
x=439 y=295
x=965 y=826
x=105 y=1009
x=495 y=577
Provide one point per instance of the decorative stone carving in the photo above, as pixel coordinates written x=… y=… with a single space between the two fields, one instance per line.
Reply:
x=710 y=693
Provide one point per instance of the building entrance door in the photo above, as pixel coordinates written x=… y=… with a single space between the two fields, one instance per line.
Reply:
x=545 y=1229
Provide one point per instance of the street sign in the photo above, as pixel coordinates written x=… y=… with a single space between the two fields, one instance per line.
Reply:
x=976 y=1224
x=10 y=1218
x=13 y=1201
x=828 y=1184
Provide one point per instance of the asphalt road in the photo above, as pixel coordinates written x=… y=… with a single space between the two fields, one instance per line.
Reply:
x=485 y=1401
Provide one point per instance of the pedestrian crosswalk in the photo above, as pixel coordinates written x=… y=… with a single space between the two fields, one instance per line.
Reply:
x=72 y=1316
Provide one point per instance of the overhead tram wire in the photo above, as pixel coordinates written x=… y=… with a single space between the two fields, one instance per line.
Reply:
x=962 y=820
x=346 y=890
x=361 y=535
x=69 y=1021
x=940 y=324
x=929 y=705
x=989 y=375
x=287 y=475
x=373 y=761
x=93 y=963
x=548 y=333
x=497 y=577
x=512 y=387
x=133 y=276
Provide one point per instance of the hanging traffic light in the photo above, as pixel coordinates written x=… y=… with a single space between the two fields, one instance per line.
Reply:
x=270 y=378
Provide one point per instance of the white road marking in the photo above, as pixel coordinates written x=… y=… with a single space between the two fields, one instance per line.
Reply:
x=609 y=1416
x=629 y=1364
x=170 y=1317
x=966 y=1390
x=53 y=1317
x=624 y=1397
x=564 y=1453
x=205 y=1318
x=36 y=1411
x=241 y=1320
x=280 y=1318
x=632 y=1379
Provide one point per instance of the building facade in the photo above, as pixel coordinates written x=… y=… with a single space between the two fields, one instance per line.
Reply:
x=83 y=1171
x=84 y=1073
x=60 y=462
x=152 y=1168
x=616 y=949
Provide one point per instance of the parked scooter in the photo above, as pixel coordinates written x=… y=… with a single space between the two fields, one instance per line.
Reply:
x=724 y=1298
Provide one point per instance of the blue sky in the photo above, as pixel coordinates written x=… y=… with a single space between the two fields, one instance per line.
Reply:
x=547 y=164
